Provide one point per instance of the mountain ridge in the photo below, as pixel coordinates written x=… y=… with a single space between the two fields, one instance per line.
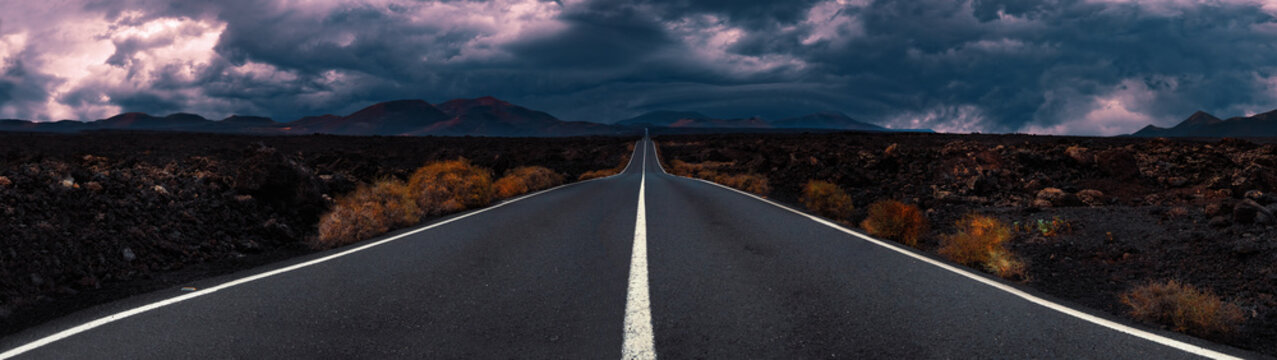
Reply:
x=1203 y=124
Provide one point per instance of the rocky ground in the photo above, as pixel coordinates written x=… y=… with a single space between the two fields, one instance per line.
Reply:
x=86 y=219
x=1094 y=216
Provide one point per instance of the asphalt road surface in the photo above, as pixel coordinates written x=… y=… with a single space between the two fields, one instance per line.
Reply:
x=638 y=265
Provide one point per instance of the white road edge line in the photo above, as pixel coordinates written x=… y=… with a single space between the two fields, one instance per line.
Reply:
x=162 y=303
x=1180 y=345
x=638 y=306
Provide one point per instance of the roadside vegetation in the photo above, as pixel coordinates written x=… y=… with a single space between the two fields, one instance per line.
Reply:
x=981 y=241
x=525 y=179
x=827 y=199
x=897 y=221
x=436 y=189
x=713 y=171
x=1183 y=308
x=602 y=173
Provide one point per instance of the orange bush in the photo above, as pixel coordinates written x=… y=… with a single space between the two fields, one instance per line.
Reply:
x=826 y=199
x=704 y=170
x=524 y=179
x=752 y=183
x=1183 y=307
x=367 y=212
x=896 y=221
x=594 y=174
x=450 y=186
x=981 y=240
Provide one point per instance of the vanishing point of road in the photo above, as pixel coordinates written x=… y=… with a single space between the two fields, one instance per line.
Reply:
x=639 y=265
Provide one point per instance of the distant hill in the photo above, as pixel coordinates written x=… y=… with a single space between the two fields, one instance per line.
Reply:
x=143 y=122
x=691 y=119
x=1202 y=124
x=746 y=123
x=397 y=117
x=826 y=120
x=486 y=116
x=662 y=118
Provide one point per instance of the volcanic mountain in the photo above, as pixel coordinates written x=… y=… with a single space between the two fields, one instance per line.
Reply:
x=399 y=117
x=1202 y=124
x=662 y=118
x=485 y=116
x=826 y=120
x=691 y=119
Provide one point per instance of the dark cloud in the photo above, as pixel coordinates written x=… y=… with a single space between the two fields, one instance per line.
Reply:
x=1062 y=66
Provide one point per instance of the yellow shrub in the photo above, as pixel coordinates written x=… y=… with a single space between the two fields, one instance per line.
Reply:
x=1183 y=307
x=524 y=179
x=450 y=186
x=367 y=212
x=896 y=221
x=826 y=199
x=981 y=240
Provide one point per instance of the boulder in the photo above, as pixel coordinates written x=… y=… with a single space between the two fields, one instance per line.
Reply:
x=278 y=180
x=1091 y=197
x=1080 y=155
x=1057 y=198
x=1118 y=163
x=1248 y=211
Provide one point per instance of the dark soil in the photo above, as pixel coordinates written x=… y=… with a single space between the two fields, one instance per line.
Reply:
x=1132 y=210
x=86 y=219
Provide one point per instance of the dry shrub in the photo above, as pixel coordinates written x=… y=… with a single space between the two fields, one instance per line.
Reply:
x=367 y=212
x=981 y=240
x=5 y=182
x=704 y=170
x=826 y=199
x=752 y=183
x=594 y=174
x=896 y=221
x=450 y=186
x=1183 y=307
x=524 y=179
x=709 y=170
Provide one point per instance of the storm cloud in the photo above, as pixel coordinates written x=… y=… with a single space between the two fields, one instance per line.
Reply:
x=1094 y=67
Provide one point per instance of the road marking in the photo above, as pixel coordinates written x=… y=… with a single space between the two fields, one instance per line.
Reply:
x=638 y=306
x=162 y=303
x=1183 y=346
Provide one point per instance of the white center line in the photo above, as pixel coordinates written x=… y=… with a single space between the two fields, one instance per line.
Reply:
x=638 y=307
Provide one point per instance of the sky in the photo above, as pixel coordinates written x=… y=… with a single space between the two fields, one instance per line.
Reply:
x=1080 y=67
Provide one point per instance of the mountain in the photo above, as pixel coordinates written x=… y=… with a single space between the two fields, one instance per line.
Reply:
x=691 y=119
x=489 y=116
x=399 y=117
x=662 y=118
x=746 y=123
x=1201 y=124
x=136 y=121
x=826 y=120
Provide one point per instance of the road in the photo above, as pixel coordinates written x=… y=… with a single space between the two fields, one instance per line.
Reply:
x=636 y=265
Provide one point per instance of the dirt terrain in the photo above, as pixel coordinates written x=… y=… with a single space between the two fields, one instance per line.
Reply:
x=1092 y=217
x=90 y=218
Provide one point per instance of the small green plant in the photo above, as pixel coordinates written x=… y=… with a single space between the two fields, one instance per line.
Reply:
x=1047 y=228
